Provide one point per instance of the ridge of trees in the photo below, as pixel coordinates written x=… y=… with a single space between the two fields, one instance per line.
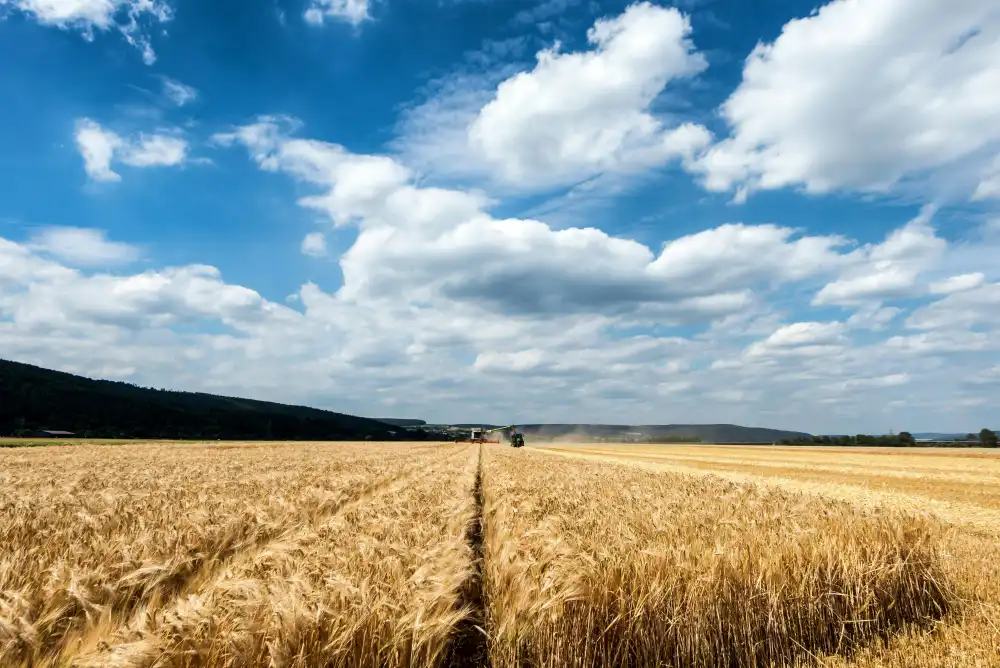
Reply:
x=34 y=399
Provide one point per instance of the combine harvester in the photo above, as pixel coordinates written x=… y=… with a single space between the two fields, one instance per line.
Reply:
x=478 y=435
x=482 y=435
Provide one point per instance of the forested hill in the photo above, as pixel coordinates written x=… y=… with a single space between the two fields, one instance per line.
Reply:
x=403 y=422
x=706 y=433
x=33 y=398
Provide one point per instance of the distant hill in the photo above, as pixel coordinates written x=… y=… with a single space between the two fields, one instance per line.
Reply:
x=938 y=436
x=402 y=422
x=706 y=433
x=33 y=398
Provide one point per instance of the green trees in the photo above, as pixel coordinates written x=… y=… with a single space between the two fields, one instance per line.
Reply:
x=33 y=398
x=986 y=438
x=902 y=439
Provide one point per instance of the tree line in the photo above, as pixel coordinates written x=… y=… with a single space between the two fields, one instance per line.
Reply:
x=985 y=438
x=34 y=399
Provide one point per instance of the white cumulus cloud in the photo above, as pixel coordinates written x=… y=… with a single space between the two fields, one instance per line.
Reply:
x=579 y=114
x=966 y=308
x=801 y=339
x=99 y=147
x=186 y=327
x=351 y=11
x=863 y=94
x=803 y=333
x=430 y=243
x=127 y=17
x=891 y=269
x=989 y=186
x=83 y=246
x=314 y=244
x=958 y=283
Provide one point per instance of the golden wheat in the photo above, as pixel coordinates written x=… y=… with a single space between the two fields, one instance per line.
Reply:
x=953 y=475
x=378 y=584
x=303 y=555
x=90 y=537
x=591 y=565
x=969 y=637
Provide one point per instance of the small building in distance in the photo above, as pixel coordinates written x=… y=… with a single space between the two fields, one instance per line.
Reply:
x=52 y=433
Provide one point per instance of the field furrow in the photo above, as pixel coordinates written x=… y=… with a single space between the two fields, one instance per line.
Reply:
x=380 y=583
x=600 y=564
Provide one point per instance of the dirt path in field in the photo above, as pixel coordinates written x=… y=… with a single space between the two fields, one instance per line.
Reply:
x=87 y=648
x=469 y=648
x=959 y=514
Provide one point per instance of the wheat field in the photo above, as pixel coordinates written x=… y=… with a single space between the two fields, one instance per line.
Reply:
x=337 y=554
x=956 y=487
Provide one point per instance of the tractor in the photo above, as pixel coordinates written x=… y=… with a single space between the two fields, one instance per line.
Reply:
x=514 y=437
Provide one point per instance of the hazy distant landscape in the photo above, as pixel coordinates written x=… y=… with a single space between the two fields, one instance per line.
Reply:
x=34 y=400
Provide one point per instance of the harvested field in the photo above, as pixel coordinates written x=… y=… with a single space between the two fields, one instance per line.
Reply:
x=300 y=555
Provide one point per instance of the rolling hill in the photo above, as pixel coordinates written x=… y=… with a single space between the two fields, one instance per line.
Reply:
x=402 y=422
x=706 y=433
x=33 y=398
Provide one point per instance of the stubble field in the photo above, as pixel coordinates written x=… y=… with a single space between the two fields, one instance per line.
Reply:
x=455 y=555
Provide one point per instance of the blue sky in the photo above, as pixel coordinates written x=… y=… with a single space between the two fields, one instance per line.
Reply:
x=700 y=211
